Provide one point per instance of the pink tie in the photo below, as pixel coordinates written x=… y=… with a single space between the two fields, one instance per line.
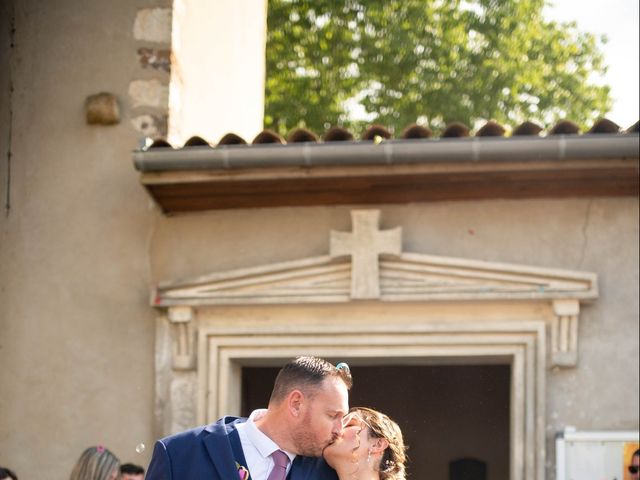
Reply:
x=279 y=471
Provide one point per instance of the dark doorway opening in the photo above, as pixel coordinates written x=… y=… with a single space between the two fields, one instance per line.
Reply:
x=446 y=412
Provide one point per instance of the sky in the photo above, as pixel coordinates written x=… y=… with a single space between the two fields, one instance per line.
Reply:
x=618 y=20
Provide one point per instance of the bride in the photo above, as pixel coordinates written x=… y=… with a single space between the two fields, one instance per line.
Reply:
x=371 y=448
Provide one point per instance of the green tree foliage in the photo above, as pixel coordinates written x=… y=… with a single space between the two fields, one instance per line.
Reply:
x=431 y=61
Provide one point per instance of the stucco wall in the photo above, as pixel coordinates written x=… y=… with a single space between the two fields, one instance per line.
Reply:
x=76 y=334
x=598 y=235
x=217 y=82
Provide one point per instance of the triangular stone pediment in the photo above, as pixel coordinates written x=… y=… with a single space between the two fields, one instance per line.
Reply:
x=405 y=277
x=368 y=264
x=317 y=279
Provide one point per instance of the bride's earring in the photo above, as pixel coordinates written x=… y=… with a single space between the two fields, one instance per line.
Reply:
x=369 y=458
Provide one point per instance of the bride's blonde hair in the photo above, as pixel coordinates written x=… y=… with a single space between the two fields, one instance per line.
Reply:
x=392 y=462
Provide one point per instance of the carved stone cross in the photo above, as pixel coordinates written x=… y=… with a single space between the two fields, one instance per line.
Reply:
x=364 y=246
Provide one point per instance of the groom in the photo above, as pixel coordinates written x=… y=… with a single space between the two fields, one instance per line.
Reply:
x=304 y=415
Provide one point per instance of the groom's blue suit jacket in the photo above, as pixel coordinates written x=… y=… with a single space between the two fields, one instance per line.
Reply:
x=207 y=453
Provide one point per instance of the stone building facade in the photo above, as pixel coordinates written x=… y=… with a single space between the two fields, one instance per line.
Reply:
x=497 y=322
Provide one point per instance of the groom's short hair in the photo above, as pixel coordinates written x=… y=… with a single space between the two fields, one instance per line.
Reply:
x=307 y=374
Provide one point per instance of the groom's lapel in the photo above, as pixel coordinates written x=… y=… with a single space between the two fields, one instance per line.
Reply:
x=219 y=449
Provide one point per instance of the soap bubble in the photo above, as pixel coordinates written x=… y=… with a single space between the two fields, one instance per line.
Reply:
x=140 y=448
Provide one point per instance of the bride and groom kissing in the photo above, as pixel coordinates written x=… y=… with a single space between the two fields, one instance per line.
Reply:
x=307 y=432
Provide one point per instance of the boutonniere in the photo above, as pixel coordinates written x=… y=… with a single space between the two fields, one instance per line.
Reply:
x=243 y=473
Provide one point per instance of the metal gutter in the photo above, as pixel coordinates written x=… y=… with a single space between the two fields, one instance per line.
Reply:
x=390 y=152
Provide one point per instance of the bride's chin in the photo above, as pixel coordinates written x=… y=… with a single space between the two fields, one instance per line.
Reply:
x=327 y=458
x=327 y=452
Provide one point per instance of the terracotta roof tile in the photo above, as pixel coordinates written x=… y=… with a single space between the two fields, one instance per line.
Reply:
x=160 y=143
x=455 y=130
x=412 y=131
x=491 y=129
x=232 y=139
x=267 y=136
x=376 y=131
x=338 y=134
x=416 y=131
x=565 y=127
x=301 y=135
x=527 y=128
x=196 y=141
x=604 y=125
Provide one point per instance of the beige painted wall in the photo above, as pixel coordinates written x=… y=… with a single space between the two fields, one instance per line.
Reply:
x=76 y=334
x=598 y=235
x=217 y=81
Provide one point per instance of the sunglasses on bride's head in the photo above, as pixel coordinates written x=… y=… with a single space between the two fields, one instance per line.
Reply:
x=354 y=419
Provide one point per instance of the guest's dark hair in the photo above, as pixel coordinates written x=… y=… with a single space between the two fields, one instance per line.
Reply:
x=6 y=473
x=131 y=469
x=306 y=374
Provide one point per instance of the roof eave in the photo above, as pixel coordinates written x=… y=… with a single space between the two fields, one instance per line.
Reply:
x=201 y=178
x=389 y=152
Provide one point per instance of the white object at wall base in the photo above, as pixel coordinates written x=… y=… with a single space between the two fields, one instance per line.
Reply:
x=575 y=451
